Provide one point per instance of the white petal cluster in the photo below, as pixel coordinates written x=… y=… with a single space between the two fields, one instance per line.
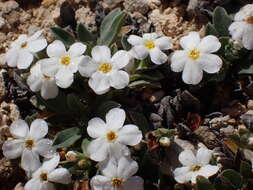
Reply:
x=118 y=174
x=150 y=44
x=194 y=165
x=48 y=174
x=62 y=64
x=28 y=144
x=242 y=27
x=21 y=52
x=112 y=136
x=197 y=56
x=105 y=71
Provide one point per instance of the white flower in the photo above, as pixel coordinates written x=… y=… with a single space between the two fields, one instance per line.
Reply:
x=242 y=27
x=151 y=45
x=194 y=166
x=196 y=57
x=62 y=64
x=118 y=175
x=48 y=174
x=22 y=49
x=28 y=144
x=105 y=71
x=111 y=137
x=41 y=82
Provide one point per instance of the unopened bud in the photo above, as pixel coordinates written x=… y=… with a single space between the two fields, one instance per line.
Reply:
x=71 y=156
x=84 y=163
x=250 y=141
x=164 y=141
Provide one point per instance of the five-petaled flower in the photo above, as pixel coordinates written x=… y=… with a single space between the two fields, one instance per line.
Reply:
x=47 y=174
x=22 y=50
x=28 y=144
x=111 y=137
x=62 y=64
x=118 y=175
x=194 y=166
x=105 y=71
x=37 y=81
x=242 y=27
x=196 y=57
x=150 y=44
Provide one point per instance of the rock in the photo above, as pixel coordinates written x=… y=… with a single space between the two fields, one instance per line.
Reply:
x=250 y=104
x=3 y=90
x=2 y=58
x=219 y=122
x=229 y=130
x=87 y=17
x=111 y=3
x=141 y=6
x=235 y=109
x=47 y=3
x=8 y=6
x=247 y=119
x=154 y=4
x=2 y=22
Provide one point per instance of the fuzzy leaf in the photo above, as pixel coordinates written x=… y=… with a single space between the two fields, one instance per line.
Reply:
x=125 y=43
x=233 y=177
x=221 y=21
x=67 y=137
x=210 y=30
x=140 y=120
x=84 y=146
x=84 y=34
x=63 y=36
x=246 y=169
x=203 y=184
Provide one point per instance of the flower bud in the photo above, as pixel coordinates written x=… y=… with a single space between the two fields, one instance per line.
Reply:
x=84 y=163
x=250 y=141
x=71 y=156
x=164 y=141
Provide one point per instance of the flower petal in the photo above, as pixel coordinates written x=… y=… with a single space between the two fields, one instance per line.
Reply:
x=126 y=167
x=101 y=54
x=13 y=148
x=47 y=186
x=190 y=41
x=12 y=57
x=39 y=129
x=109 y=168
x=157 y=56
x=100 y=182
x=33 y=184
x=34 y=80
x=236 y=29
x=204 y=155
x=50 y=66
x=135 y=40
x=37 y=45
x=209 y=44
x=182 y=174
x=120 y=59
x=150 y=36
x=96 y=128
x=192 y=73
x=115 y=118
x=208 y=170
x=247 y=39
x=19 y=129
x=98 y=149
x=30 y=160
x=119 y=79
x=77 y=49
x=129 y=135
x=56 y=49
x=210 y=63
x=117 y=150
x=87 y=66
x=60 y=175
x=64 y=78
x=25 y=59
x=49 y=89
x=99 y=83
x=44 y=148
x=187 y=158
x=134 y=183
x=51 y=164
x=35 y=36
x=163 y=43
x=178 y=60
x=139 y=52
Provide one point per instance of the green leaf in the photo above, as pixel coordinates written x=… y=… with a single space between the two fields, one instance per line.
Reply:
x=84 y=34
x=221 y=21
x=210 y=30
x=84 y=146
x=105 y=107
x=204 y=184
x=64 y=36
x=110 y=27
x=143 y=84
x=140 y=120
x=125 y=44
x=152 y=76
x=74 y=104
x=246 y=169
x=67 y=137
x=233 y=177
x=114 y=48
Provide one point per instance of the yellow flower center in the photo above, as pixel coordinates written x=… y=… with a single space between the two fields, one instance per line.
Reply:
x=194 y=54
x=111 y=136
x=117 y=182
x=23 y=45
x=65 y=60
x=195 y=168
x=105 y=67
x=149 y=44
x=249 y=20
x=46 y=77
x=29 y=143
x=43 y=176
